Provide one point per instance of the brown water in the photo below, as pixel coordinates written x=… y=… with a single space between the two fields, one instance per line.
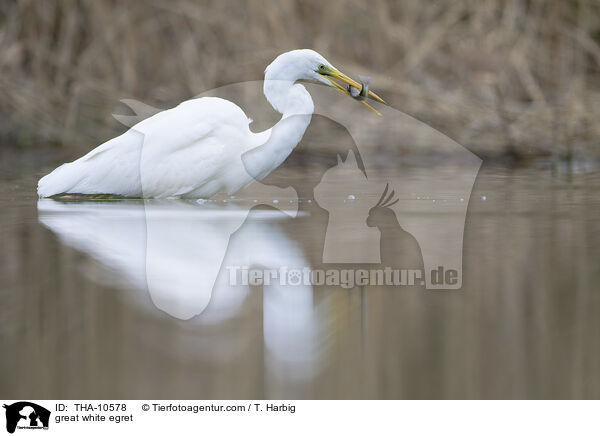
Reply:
x=85 y=314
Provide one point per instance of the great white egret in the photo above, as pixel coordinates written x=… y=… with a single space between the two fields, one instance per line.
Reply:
x=204 y=146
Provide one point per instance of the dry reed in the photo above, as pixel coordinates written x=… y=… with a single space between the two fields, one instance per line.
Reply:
x=500 y=76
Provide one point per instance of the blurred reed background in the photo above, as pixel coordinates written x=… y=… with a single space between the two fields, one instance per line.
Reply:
x=503 y=77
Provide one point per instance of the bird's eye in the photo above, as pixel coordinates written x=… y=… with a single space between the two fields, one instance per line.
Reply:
x=322 y=67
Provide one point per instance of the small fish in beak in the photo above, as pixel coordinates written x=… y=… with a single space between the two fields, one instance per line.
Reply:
x=352 y=87
x=361 y=94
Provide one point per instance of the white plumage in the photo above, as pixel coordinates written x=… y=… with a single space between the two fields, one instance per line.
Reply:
x=203 y=146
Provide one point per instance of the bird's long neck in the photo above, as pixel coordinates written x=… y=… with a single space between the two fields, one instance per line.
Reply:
x=287 y=97
x=293 y=101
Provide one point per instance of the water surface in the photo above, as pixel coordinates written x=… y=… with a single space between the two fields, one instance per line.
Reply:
x=129 y=299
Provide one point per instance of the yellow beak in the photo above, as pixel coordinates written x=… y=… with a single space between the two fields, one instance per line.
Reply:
x=331 y=72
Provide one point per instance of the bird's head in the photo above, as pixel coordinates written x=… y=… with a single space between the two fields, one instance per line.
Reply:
x=311 y=66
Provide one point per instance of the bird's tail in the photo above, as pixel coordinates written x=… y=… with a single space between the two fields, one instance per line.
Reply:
x=59 y=181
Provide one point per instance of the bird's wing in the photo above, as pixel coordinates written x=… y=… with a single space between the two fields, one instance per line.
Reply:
x=191 y=145
x=169 y=154
x=111 y=168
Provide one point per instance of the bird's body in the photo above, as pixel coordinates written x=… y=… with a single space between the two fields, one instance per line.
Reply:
x=189 y=158
x=201 y=147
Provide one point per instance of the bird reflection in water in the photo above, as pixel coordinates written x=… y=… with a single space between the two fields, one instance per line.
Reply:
x=179 y=250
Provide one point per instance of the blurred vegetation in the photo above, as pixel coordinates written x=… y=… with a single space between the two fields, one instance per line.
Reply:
x=503 y=77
